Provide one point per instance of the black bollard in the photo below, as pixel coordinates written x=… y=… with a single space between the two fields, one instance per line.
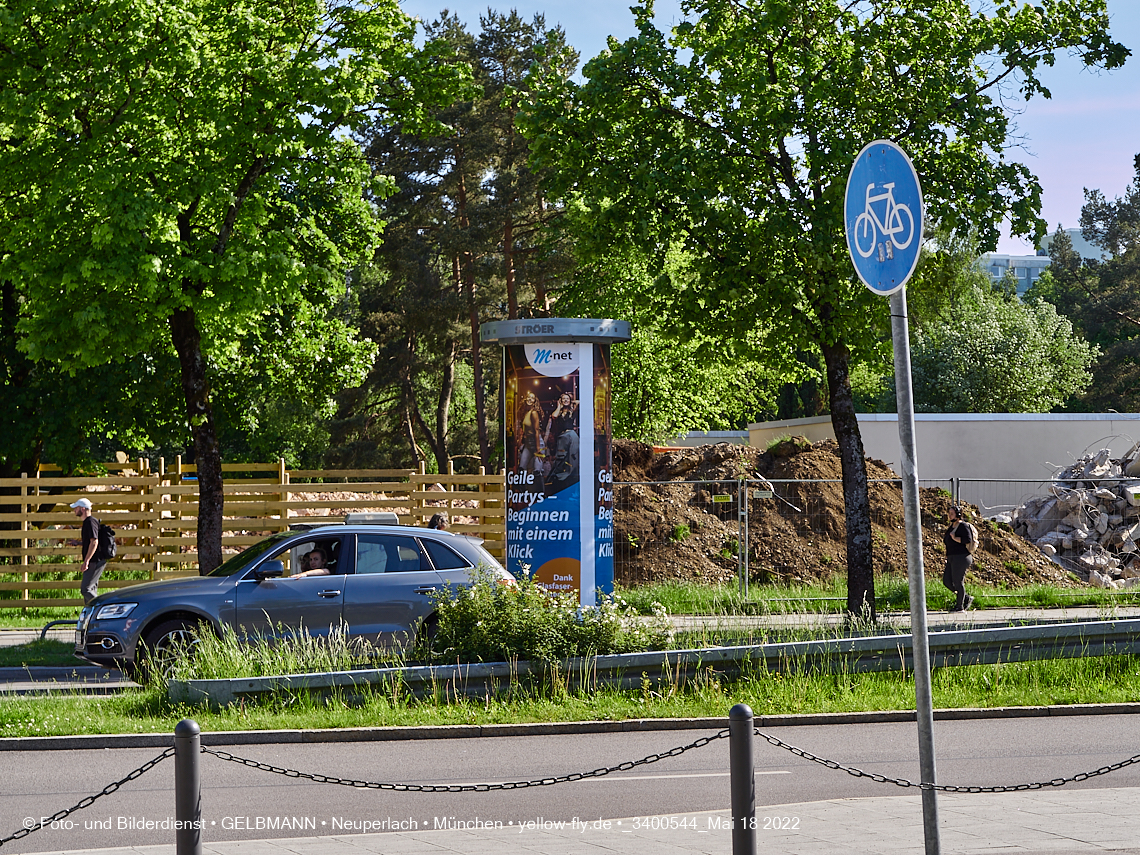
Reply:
x=187 y=788
x=742 y=777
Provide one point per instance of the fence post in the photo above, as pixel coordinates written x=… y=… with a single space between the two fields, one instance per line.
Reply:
x=743 y=503
x=742 y=777
x=25 y=511
x=283 y=479
x=187 y=788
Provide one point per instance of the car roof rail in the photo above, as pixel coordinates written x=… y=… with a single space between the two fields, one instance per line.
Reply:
x=376 y=518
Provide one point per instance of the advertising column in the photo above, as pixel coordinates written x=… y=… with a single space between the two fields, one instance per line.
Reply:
x=557 y=436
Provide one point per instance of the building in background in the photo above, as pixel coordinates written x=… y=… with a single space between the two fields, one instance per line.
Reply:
x=1026 y=269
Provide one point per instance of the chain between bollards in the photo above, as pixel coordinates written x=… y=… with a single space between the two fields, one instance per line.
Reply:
x=188 y=788
x=742 y=775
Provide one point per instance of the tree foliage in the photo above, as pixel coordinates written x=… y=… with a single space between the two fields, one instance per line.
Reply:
x=172 y=168
x=1000 y=355
x=1102 y=297
x=467 y=241
x=734 y=136
x=664 y=385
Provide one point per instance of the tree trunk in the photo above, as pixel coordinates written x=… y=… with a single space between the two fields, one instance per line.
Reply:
x=477 y=381
x=467 y=271
x=509 y=268
x=188 y=343
x=443 y=404
x=856 y=500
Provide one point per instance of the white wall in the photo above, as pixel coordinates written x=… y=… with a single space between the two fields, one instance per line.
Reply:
x=989 y=447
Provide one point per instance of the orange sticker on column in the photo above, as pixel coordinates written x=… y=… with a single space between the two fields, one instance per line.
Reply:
x=560 y=575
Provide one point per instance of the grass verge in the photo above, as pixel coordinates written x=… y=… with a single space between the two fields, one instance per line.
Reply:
x=891 y=594
x=39 y=653
x=1111 y=679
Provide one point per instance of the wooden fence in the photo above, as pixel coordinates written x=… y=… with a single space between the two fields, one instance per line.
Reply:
x=154 y=513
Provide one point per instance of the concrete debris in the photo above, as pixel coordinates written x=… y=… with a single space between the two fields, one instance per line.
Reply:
x=1089 y=519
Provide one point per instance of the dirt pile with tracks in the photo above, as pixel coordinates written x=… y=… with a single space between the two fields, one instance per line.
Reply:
x=677 y=517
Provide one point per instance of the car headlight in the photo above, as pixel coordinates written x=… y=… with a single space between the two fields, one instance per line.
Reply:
x=115 y=610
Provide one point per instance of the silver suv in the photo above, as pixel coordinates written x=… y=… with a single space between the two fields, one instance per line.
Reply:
x=379 y=589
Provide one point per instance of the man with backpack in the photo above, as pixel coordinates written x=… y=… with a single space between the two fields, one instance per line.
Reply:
x=961 y=540
x=93 y=563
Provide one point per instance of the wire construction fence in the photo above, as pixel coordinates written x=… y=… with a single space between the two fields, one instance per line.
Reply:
x=742 y=528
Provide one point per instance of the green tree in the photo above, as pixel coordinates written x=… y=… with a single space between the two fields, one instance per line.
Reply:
x=999 y=355
x=662 y=385
x=51 y=414
x=466 y=242
x=1102 y=297
x=172 y=168
x=735 y=136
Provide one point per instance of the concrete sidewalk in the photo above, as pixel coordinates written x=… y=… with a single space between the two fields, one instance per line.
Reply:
x=1058 y=822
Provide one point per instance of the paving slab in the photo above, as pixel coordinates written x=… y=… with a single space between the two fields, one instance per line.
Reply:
x=1094 y=821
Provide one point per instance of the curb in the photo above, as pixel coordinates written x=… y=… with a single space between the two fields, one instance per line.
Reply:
x=483 y=731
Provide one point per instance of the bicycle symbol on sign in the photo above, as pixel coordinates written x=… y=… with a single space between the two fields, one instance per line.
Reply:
x=897 y=224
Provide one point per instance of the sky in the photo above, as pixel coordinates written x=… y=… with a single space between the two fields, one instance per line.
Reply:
x=1085 y=136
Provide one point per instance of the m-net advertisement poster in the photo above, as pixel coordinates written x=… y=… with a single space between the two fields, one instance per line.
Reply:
x=559 y=466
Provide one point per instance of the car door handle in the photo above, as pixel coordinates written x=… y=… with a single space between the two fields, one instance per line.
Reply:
x=329 y=594
x=427 y=589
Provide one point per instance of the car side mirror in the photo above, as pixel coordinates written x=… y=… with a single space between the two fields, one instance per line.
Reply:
x=269 y=570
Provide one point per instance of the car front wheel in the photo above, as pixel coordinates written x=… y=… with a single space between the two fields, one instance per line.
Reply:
x=164 y=646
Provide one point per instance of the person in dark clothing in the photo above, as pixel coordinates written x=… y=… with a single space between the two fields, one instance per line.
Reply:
x=438 y=521
x=93 y=566
x=958 y=559
x=562 y=436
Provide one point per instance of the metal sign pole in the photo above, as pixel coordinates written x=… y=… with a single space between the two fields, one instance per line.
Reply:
x=924 y=702
x=883 y=215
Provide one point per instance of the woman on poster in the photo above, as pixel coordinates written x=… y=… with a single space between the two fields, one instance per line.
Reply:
x=528 y=432
x=562 y=436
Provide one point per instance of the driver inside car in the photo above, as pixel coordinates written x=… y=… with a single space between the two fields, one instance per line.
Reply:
x=318 y=564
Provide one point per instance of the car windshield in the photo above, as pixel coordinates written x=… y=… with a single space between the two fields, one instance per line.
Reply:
x=243 y=559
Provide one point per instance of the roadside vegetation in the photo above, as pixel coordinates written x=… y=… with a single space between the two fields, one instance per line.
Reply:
x=891 y=595
x=1113 y=679
x=699 y=598
x=487 y=622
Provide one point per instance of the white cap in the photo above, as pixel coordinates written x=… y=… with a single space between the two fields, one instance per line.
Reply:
x=82 y=503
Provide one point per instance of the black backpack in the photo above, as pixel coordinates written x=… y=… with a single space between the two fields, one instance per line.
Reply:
x=107 y=548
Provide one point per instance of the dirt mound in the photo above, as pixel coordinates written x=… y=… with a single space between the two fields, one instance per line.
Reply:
x=679 y=519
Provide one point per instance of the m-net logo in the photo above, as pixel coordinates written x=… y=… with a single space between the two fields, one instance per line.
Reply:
x=545 y=357
x=552 y=359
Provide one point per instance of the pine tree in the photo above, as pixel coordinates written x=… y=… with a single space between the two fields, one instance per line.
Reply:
x=469 y=239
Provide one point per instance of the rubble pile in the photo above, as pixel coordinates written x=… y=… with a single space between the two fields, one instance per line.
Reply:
x=1089 y=521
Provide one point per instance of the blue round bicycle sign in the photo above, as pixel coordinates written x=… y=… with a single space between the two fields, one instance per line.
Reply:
x=883 y=216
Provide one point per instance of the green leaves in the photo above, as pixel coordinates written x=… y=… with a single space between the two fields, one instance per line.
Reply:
x=188 y=153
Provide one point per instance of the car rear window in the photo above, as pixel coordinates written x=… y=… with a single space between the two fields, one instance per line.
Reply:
x=444 y=557
x=385 y=553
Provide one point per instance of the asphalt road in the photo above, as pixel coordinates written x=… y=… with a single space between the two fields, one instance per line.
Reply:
x=243 y=803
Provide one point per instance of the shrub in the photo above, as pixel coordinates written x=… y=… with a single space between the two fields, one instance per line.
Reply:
x=490 y=622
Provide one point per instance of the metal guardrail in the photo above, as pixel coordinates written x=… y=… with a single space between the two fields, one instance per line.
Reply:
x=865 y=654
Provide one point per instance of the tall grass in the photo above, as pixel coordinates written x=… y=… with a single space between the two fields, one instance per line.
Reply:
x=226 y=655
x=1087 y=680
